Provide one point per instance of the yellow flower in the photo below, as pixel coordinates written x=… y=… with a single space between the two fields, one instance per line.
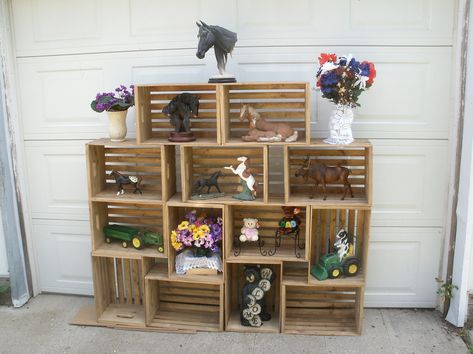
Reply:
x=192 y=227
x=173 y=236
x=204 y=228
x=183 y=225
x=201 y=233
x=176 y=245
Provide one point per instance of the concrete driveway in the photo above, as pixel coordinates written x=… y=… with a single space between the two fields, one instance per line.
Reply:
x=42 y=327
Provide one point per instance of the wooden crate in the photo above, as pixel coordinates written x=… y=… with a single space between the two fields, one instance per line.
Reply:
x=200 y=162
x=356 y=156
x=295 y=273
x=152 y=126
x=276 y=102
x=187 y=306
x=325 y=225
x=118 y=288
x=140 y=216
x=234 y=282
x=175 y=214
x=268 y=217
x=156 y=166
x=322 y=311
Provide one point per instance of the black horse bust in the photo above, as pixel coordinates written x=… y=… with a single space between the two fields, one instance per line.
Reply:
x=179 y=110
x=223 y=42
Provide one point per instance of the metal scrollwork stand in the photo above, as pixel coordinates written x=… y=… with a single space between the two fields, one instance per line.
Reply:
x=237 y=245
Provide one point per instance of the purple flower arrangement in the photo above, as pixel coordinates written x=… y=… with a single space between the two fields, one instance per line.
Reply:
x=200 y=233
x=120 y=100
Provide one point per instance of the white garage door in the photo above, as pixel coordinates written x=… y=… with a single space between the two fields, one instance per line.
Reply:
x=69 y=50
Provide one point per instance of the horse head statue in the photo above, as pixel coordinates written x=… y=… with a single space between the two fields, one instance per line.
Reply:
x=218 y=37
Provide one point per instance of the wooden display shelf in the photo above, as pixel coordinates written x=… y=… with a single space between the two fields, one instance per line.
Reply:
x=174 y=305
x=118 y=290
x=287 y=102
x=322 y=311
x=115 y=249
x=295 y=273
x=268 y=218
x=146 y=216
x=200 y=162
x=152 y=126
x=155 y=165
x=326 y=223
x=234 y=282
x=354 y=282
x=271 y=326
x=357 y=157
x=139 y=289
x=174 y=216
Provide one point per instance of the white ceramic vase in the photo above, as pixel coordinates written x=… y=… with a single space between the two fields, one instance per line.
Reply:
x=117 y=125
x=340 y=126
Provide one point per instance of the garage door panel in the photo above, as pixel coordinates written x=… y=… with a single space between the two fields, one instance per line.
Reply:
x=57 y=180
x=62 y=250
x=409 y=182
x=79 y=26
x=403 y=264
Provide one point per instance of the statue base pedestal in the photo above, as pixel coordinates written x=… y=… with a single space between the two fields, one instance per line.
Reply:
x=222 y=79
x=181 y=137
x=206 y=196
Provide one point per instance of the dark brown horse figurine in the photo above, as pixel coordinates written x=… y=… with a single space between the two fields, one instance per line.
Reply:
x=321 y=173
x=120 y=180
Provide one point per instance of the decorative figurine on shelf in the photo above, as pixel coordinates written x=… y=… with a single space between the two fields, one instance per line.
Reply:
x=247 y=180
x=179 y=110
x=120 y=180
x=261 y=130
x=342 y=79
x=201 y=183
x=253 y=305
x=341 y=261
x=249 y=231
x=197 y=239
x=223 y=42
x=129 y=235
x=323 y=174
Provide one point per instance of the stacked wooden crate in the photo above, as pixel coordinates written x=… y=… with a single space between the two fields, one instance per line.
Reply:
x=140 y=288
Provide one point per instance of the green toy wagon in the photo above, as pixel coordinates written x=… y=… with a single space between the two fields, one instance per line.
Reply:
x=129 y=235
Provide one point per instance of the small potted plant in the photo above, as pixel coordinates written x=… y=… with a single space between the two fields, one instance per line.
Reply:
x=197 y=240
x=116 y=105
x=342 y=80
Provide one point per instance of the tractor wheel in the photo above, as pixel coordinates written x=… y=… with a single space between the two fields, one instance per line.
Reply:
x=351 y=266
x=334 y=272
x=125 y=244
x=161 y=249
x=137 y=242
x=108 y=240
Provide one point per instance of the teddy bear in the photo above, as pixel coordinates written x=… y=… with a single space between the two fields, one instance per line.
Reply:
x=249 y=231
x=253 y=305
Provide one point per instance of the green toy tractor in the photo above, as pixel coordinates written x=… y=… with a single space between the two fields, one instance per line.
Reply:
x=137 y=238
x=330 y=265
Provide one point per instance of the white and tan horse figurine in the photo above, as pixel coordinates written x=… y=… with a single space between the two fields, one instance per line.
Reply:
x=262 y=130
x=242 y=172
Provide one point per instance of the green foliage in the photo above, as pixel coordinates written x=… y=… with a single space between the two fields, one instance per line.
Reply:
x=445 y=289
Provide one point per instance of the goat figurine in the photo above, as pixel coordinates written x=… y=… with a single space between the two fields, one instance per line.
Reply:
x=323 y=174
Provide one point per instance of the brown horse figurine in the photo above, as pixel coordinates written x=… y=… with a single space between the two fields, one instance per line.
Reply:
x=321 y=173
x=262 y=130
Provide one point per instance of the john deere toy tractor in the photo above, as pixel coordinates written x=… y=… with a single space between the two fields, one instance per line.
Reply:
x=341 y=262
x=137 y=238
